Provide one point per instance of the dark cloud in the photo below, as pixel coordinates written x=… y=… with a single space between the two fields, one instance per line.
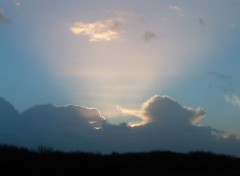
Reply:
x=3 y=18
x=168 y=126
x=149 y=35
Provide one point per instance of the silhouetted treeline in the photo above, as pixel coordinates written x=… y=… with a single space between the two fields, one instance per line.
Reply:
x=45 y=161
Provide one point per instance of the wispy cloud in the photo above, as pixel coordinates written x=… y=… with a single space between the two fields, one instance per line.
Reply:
x=107 y=30
x=225 y=81
x=175 y=8
x=233 y=25
x=233 y=99
x=223 y=77
x=148 y=35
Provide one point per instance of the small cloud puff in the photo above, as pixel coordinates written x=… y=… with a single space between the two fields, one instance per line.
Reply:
x=17 y=3
x=201 y=21
x=148 y=35
x=107 y=30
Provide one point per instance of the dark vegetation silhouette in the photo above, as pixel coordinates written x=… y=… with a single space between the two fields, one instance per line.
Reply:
x=47 y=161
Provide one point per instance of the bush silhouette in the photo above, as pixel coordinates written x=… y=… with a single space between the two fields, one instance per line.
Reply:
x=46 y=161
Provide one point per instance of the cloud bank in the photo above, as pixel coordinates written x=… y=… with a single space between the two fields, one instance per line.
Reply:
x=107 y=30
x=165 y=125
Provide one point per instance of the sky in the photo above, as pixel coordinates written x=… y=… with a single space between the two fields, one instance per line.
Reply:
x=119 y=58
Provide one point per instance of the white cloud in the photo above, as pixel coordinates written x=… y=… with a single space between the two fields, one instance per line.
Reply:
x=175 y=8
x=108 y=30
x=233 y=99
x=179 y=11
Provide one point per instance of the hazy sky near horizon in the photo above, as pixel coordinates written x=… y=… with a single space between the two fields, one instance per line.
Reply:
x=114 y=55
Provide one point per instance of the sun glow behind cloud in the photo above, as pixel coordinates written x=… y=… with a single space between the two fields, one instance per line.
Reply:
x=126 y=59
x=158 y=106
x=115 y=73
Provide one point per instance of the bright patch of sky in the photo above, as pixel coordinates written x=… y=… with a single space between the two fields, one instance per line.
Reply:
x=109 y=53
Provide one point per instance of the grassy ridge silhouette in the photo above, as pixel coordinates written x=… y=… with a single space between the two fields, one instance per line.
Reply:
x=46 y=161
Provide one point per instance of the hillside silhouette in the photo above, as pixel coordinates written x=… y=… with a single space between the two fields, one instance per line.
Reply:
x=46 y=161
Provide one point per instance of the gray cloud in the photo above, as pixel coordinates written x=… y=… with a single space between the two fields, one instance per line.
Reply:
x=201 y=21
x=17 y=3
x=168 y=126
x=149 y=35
x=3 y=18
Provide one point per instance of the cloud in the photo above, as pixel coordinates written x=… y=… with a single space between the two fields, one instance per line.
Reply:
x=201 y=21
x=223 y=77
x=175 y=8
x=107 y=30
x=226 y=81
x=233 y=25
x=233 y=99
x=3 y=18
x=167 y=126
x=164 y=110
x=17 y=3
x=148 y=35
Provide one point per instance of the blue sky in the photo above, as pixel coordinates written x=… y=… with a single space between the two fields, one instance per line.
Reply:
x=109 y=53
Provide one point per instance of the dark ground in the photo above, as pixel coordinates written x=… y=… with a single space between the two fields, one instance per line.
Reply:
x=46 y=161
